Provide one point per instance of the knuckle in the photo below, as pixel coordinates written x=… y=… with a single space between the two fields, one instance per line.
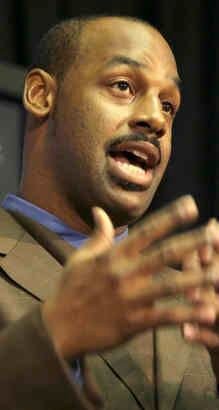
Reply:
x=168 y=252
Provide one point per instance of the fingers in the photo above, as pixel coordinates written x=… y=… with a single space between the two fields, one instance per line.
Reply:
x=214 y=226
x=206 y=252
x=100 y=241
x=202 y=335
x=205 y=255
x=159 y=224
x=168 y=252
x=175 y=248
x=195 y=261
x=204 y=259
x=140 y=291
x=104 y=230
x=191 y=261
x=205 y=294
x=149 y=318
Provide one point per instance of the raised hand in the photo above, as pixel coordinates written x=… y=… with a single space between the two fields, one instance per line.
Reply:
x=207 y=262
x=107 y=293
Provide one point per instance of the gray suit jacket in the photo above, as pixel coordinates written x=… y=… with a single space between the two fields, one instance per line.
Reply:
x=34 y=377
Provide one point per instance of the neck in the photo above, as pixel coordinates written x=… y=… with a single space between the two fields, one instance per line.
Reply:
x=39 y=186
x=55 y=204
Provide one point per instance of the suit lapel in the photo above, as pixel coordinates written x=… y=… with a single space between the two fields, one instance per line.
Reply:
x=32 y=267
x=131 y=373
x=172 y=358
x=27 y=263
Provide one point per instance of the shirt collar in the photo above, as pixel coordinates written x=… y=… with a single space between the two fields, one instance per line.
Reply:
x=50 y=221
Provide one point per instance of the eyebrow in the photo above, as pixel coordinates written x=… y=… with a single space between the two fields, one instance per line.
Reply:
x=120 y=59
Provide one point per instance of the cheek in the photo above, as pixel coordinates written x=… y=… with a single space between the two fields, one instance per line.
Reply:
x=90 y=113
x=103 y=114
x=167 y=153
x=86 y=131
x=91 y=119
x=165 y=147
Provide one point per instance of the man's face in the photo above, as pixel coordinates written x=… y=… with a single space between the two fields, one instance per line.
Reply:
x=113 y=119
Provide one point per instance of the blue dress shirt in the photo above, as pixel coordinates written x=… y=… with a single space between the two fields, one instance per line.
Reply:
x=76 y=239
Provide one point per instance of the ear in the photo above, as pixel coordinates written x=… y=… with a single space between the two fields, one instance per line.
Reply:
x=39 y=93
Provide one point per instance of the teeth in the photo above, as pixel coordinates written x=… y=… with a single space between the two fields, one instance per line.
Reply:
x=139 y=154
x=132 y=168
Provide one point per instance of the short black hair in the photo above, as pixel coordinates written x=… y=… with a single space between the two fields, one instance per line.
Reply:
x=60 y=46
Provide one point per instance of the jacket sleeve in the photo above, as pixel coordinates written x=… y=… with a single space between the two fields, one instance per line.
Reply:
x=33 y=376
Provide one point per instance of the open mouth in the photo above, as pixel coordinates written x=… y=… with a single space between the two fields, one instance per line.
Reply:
x=132 y=164
x=131 y=160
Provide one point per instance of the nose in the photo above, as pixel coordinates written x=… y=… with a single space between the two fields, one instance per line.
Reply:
x=147 y=116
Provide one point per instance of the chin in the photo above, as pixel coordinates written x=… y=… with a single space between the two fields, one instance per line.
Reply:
x=122 y=217
x=125 y=203
x=128 y=208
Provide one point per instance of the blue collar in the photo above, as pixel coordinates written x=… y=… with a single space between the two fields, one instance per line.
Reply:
x=76 y=239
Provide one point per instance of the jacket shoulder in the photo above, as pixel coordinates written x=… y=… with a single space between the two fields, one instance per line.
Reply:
x=10 y=231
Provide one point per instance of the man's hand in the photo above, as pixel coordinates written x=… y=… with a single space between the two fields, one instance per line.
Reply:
x=206 y=260
x=108 y=293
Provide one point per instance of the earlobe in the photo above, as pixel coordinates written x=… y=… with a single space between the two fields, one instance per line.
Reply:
x=39 y=93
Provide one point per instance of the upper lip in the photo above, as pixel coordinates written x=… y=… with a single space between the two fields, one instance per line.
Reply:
x=145 y=149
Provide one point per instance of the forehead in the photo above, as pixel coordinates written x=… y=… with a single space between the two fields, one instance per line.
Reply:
x=106 y=37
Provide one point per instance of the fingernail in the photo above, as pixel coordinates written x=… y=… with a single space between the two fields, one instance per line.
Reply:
x=96 y=212
x=189 y=331
x=187 y=208
x=212 y=221
x=214 y=231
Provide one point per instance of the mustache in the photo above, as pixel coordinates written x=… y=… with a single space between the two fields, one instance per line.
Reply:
x=132 y=137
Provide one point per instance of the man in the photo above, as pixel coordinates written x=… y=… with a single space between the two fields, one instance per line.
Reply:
x=101 y=97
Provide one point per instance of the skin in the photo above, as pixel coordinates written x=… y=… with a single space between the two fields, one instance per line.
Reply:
x=111 y=288
x=206 y=260
x=90 y=111
x=66 y=171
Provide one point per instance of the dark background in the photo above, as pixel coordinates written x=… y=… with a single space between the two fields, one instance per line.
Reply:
x=191 y=27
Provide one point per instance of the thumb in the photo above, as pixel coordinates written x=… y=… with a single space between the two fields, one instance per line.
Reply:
x=100 y=241
x=103 y=235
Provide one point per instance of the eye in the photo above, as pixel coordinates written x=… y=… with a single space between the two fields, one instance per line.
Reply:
x=123 y=87
x=168 y=107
